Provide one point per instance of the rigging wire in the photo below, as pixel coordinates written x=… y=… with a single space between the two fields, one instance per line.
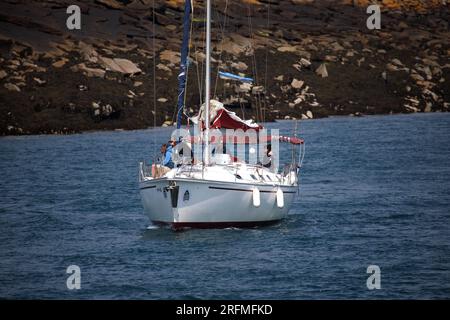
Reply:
x=187 y=62
x=199 y=72
x=222 y=29
x=266 y=65
x=154 y=69
x=255 y=71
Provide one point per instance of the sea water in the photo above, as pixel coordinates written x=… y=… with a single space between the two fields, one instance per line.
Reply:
x=374 y=191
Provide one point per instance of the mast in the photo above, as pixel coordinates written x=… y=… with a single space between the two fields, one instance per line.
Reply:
x=207 y=80
x=184 y=60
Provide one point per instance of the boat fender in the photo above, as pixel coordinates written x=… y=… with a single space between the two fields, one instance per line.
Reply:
x=280 y=198
x=256 y=197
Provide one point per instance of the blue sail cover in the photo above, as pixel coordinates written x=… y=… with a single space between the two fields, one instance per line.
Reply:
x=184 y=60
x=230 y=76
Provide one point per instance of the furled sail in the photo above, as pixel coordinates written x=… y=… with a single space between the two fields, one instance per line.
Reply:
x=184 y=60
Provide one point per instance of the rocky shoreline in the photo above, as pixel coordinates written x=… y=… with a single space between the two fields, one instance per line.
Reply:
x=310 y=59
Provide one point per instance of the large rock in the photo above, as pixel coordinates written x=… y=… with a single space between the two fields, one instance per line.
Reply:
x=119 y=65
x=171 y=56
x=112 y=4
x=12 y=87
x=163 y=67
x=337 y=47
x=322 y=71
x=287 y=48
x=236 y=45
x=88 y=52
x=305 y=62
x=417 y=77
x=90 y=72
x=3 y=74
x=59 y=63
x=297 y=84
x=391 y=67
x=258 y=90
x=241 y=66
x=244 y=87
x=397 y=62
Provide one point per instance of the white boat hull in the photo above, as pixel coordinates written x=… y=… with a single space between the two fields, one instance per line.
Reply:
x=194 y=203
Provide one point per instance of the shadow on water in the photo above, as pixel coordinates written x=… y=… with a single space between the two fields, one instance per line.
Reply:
x=166 y=233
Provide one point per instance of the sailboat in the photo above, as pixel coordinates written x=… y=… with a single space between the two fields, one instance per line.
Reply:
x=209 y=187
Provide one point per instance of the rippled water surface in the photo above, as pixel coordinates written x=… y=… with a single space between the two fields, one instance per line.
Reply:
x=375 y=191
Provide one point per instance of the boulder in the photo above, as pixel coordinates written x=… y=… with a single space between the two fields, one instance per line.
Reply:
x=28 y=64
x=88 y=52
x=298 y=100
x=60 y=63
x=360 y=61
x=430 y=93
x=287 y=49
x=297 y=84
x=127 y=66
x=257 y=89
x=12 y=87
x=163 y=67
x=430 y=63
x=305 y=62
x=119 y=65
x=336 y=47
x=236 y=45
x=322 y=71
x=417 y=77
x=279 y=78
x=111 y=4
x=411 y=109
x=171 y=56
x=391 y=67
x=397 y=62
x=40 y=81
x=436 y=71
x=428 y=73
x=244 y=87
x=3 y=74
x=309 y=114
x=241 y=66
x=90 y=72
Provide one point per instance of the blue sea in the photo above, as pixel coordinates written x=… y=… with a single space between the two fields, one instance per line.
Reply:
x=374 y=191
